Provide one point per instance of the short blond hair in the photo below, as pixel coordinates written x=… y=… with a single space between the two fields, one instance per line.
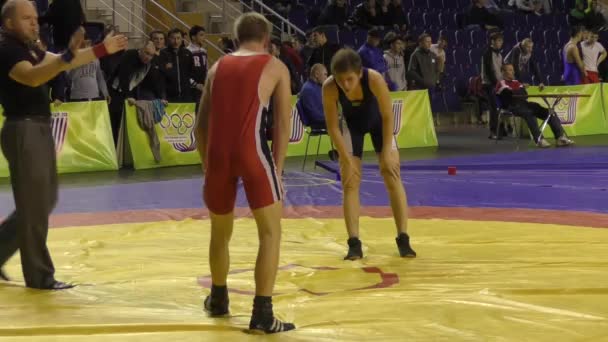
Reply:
x=252 y=27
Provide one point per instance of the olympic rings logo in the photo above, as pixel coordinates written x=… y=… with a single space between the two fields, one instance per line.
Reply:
x=182 y=123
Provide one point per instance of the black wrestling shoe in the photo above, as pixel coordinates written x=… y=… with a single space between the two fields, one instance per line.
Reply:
x=268 y=326
x=216 y=307
x=403 y=243
x=354 y=249
x=57 y=286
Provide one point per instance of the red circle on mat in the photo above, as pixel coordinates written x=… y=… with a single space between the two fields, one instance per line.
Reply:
x=386 y=279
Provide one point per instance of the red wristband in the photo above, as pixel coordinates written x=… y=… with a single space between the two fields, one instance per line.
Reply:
x=100 y=50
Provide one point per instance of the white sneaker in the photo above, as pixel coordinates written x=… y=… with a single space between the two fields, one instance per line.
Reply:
x=564 y=141
x=543 y=143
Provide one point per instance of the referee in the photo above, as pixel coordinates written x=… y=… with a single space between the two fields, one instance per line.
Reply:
x=26 y=137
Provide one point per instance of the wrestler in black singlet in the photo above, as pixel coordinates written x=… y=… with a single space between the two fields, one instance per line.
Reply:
x=362 y=116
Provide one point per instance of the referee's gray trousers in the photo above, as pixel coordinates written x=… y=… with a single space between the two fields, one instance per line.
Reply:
x=29 y=147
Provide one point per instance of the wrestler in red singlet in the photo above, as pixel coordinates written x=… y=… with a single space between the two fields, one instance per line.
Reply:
x=237 y=146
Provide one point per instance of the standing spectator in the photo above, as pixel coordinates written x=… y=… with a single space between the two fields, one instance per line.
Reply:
x=335 y=13
x=410 y=46
x=323 y=50
x=394 y=61
x=227 y=45
x=291 y=49
x=64 y=17
x=574 y=68
x=383 y=13
x=439 y=51
x=491 y=64
x=371 y=54
x=523 y=60
x=310 y=97
x=199 y=60
x=398 y=19
x=137 y=77
x=87 y=82
x=275 y=50
x=423 y=70
x=593 y=54
x=159 y=39
x=177 y=64
x=594 y=19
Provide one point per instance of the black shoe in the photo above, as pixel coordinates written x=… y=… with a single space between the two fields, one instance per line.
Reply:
x=57 y=286
x=269 y=326
x=354 y=249
x=403 y=243
x=3 y=276
x=216 y=307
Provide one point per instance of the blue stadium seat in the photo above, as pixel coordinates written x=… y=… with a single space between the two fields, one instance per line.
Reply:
x=446 y=20
x=537 y=38
x=550 y=38
x=460 y=56
x=430 y=20
x=463 y=38
x=297 y=16
x=478 y=38
x=521 y=34
x=450 y=36
x=475 y=56
x=415 y=20
x=563 y=36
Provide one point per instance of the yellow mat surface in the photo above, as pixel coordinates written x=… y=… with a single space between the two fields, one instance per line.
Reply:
x=473 y=281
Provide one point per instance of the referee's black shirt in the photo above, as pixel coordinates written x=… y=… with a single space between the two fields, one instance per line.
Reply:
x=18 y=99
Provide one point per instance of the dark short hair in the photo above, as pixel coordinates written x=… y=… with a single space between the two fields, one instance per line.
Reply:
x=175 y=31
x=252 y=26
x=345 y=60
x=155 y=32
x=196 y=29
x=443 y=38
x=318 y=29
x=496 y=36
x=392 y=37
x=423 y=37
x=575 y=30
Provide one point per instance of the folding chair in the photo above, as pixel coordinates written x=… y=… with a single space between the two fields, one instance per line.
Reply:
x=311 y=131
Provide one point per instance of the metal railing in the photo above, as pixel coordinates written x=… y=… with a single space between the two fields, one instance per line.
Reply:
x=286 y=26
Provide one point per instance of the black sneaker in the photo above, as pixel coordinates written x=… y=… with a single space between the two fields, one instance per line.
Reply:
x=216 y=307
x=403 y=243
x=268 y=326
x=354 y=249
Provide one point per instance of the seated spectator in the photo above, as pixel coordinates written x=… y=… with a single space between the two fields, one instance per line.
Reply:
x=423 y=70
x=371 y=54
x=530 y=6
x=476 y=94
x=335 y=13
x=393 y=57
x=323 y=51
x=365 y=15
x=576 y=16
x=439 y=50
x=87 y=83
x=310 y=97
x=478 y=14
x=594 y=19
x=397 y=19
x=508 y=91
x=593 y=54
x=524 y=62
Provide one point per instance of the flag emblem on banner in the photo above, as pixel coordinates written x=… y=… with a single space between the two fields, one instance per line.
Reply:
x=59 y=129
x=397 y=109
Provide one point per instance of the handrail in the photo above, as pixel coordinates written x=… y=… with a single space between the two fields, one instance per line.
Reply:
x=285 y=21
x=237 y=9
x=120 y=15
x=133 y=14
x=178 y=20
x=149 y=14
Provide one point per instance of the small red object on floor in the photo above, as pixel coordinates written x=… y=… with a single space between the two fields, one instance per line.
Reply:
x=452 y=170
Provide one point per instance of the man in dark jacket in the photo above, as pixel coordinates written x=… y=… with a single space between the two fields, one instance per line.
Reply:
x=177 y=64
x=423 y=70
x=524 y=62
x=491 y=64
x=137 y=77
x=323 y=51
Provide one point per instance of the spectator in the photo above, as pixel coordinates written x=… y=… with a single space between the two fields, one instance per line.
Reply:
x=291 y=49
x=574 y=68
x=365 y=15
x=439 y=51
x=87 y=82
x=478 y=14
x=159 y=39
x=477 y=95
x=335 y=13
x=523 y=60
x=398 y=19
x=275 y=50
x=529 y=6
x=371 y=54
x=177 y=63
x=137 y=77
x=65 y=17
x=576 y=16
x=383 y=12
x=323 y=50
x=594 y=19
x=310 y=97
x=593 y=54
x=410 y=46
x=227 y=45
x=491 y=65
x=529 y=111
x=423 y=71
x=199 y=60
x=394 y=61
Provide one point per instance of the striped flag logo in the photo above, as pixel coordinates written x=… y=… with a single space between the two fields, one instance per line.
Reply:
x=397 y=110
x=297 y=127
x=59 y=129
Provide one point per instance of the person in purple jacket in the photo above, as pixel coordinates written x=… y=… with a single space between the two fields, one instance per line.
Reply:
x=372 y=56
